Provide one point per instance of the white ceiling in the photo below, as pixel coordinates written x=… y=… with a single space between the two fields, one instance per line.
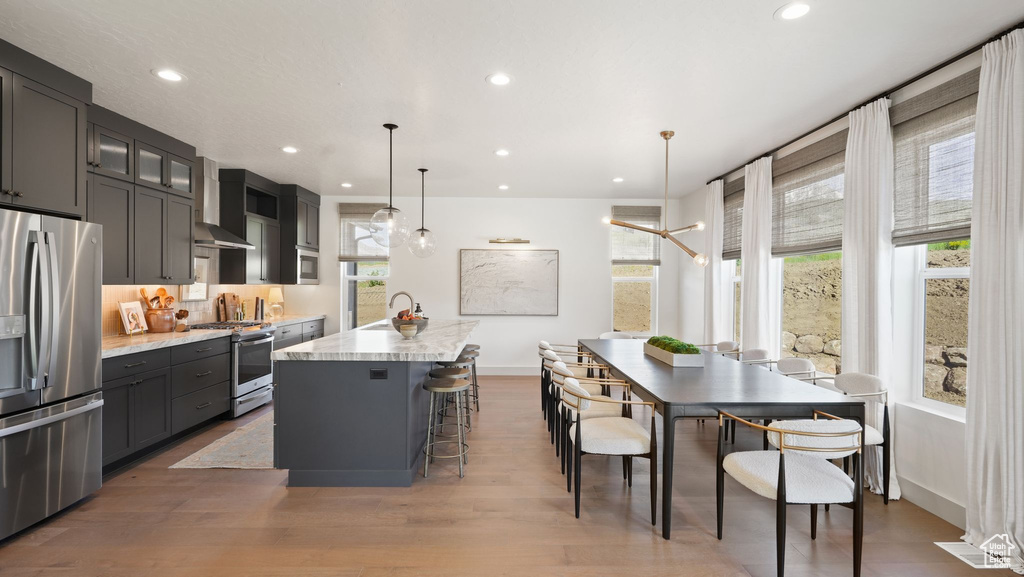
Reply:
x=595 y=81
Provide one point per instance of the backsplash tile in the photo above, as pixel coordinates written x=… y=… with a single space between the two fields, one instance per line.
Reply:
x=198 y=311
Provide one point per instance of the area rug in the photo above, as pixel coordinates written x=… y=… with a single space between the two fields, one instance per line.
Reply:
x=248 y=447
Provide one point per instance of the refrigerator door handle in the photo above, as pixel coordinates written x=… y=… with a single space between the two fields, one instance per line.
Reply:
x=34 y=340
x=22 y=427
x=54 y=304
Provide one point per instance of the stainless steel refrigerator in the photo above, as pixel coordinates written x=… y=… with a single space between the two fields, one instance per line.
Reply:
x=50 y=400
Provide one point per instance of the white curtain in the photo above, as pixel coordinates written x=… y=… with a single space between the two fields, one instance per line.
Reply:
x=716 y=326
x=995 y=324
x=867 y=264
x=757 y=306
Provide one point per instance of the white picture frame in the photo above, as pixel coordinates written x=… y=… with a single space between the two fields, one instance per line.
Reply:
x=133 y=319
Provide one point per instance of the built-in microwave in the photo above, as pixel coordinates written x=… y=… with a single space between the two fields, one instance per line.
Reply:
x=308 y=266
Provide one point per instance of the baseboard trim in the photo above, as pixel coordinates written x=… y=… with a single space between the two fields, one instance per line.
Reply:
x=519 y=371
x=934 y=503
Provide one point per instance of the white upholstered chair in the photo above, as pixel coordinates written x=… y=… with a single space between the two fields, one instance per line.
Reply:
x=875 y=394
x=726 y=348
x=611 y=436
x=800 y=472
x=755 y=357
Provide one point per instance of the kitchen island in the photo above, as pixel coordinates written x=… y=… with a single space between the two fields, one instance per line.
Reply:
x=349 y=408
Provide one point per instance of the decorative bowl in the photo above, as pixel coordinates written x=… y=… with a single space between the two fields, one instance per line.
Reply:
x=419 y=325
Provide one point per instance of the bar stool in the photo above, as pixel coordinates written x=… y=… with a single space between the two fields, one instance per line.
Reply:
x=439 y=389
x=475 y=391
x=453 y=373
x=466 y=360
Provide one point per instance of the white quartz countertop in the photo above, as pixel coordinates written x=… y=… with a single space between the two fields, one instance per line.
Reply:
x=443 y=340
x=119 y=345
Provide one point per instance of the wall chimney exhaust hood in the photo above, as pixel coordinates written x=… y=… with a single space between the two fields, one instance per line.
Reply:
x=209 y=234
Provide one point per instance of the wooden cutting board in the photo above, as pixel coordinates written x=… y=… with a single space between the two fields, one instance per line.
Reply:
x=232 y=304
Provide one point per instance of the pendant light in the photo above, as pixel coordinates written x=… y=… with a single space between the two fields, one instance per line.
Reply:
x=389 y=227
x=698 y=259
x=422 y=242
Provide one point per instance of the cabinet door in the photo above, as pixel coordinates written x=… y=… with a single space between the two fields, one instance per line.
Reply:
x=150 y=232
x=113 y=154
x=149 y=166
x=117 y=425
x=254 y=258
x=313 y=226
x=179 y=247
x=271 y=253
x=48 y=149
x=179 y=175
x=6 y=98
x=151 y=407
x=112 y=204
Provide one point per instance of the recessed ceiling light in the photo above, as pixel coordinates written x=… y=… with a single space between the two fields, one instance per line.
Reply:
x=169 y=75
x=617 y=179
x=792 y=11
x=499 y=79
x=346 y=185
x=290 y=149
x=502 y=187
x=501 y=152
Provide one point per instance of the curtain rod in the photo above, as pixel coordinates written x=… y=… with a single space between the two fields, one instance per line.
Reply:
x=884 y=94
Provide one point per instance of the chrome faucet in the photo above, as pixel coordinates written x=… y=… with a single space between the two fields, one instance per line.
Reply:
x=412 y=302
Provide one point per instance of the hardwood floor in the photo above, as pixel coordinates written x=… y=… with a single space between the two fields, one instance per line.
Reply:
x=509 y=516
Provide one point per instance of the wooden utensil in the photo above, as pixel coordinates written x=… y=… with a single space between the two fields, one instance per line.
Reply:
x=153 y=302
x=145 y=297
x=168 y=301
x=162 y=294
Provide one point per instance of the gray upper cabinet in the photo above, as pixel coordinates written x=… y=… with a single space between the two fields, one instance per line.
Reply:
x=6 y=99
x=309 y=224
x=262 y=265
x=179 y=175
x=300 y=235
x=163 y=238
x=252 y=208
x=162 y=170
x=150 y=163
x=112 y=204
x=178 y=243
x=48 y=147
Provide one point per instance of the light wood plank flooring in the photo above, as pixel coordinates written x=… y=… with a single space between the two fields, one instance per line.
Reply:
x=509 y=516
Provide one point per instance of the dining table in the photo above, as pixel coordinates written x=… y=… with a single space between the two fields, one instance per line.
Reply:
x=748 y=391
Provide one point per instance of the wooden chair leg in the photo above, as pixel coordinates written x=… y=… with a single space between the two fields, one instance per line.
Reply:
x=858 y=515
x=814 y=522
x=826 y=507
x=726 y=426
x=568 y=469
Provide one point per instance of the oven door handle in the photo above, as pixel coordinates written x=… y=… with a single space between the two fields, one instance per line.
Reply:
x=256 y=342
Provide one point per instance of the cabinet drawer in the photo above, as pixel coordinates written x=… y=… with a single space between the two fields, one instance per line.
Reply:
x=126 y=365
x=190 y=377
x=312 y=336
x=288 y=331
x=200 y=350
x=199 y=406
x=287 y=342
x=313 y=327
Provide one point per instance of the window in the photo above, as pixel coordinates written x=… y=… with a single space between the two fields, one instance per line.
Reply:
x=812 y=307
x=365 y=266
x=807 y=198
x=732 y=220
x=734 y=268
x=944 y=288
x=366 y=292
x=636 y=257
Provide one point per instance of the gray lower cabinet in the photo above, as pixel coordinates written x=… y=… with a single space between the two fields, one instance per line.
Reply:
x=152 y=396
x=136 y=412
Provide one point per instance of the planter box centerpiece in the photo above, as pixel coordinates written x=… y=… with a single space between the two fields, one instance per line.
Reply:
x=674 y=352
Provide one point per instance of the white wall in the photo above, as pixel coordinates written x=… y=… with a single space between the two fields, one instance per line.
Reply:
x=691 y=277
x=509 y=343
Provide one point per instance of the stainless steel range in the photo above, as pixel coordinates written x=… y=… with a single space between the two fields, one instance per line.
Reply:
x=252 y=369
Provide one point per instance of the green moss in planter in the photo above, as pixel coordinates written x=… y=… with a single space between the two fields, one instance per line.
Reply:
x=674 y=346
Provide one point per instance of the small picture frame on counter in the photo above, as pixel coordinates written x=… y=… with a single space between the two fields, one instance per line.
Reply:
x=133 y=320
x=199 y=290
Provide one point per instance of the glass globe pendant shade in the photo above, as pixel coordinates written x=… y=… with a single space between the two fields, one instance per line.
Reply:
x=389 y=227
x=421 y=243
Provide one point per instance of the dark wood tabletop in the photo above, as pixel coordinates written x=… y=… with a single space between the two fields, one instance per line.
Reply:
x=722 y=383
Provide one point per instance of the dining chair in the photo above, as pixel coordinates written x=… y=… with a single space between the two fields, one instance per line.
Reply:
x=799 y=473
x=874 y=391
x=727 y=348
x=798 y=368
x=610 y=436
x=567 y=414
x=593 y=385
x=580 y=370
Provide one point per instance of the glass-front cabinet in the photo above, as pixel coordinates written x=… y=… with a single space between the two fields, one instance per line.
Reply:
x=160 y=169
x=112 y=154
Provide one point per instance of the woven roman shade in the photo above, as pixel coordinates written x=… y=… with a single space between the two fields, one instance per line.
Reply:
x=732 y=220
x=634 y=246
x=933 y=137
x=355 y=243
x=807 y=198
